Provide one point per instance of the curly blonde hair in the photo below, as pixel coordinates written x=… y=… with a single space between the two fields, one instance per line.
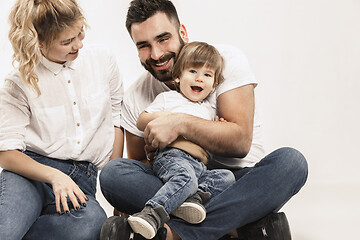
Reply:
x=34 y=21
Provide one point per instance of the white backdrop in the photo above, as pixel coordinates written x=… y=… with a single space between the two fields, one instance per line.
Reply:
x=305 y=54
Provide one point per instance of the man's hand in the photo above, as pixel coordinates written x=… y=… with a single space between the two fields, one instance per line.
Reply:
x=219 y=119
x=150 y=152
x=162 y=131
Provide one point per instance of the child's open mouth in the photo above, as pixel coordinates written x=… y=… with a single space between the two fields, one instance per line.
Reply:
x=196 y=88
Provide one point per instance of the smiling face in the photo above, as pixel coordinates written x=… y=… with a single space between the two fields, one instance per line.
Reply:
x=196 y=83
x=158 y=41
x=66 y=47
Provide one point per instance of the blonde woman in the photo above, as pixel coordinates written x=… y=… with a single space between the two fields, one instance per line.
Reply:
x=59 y=124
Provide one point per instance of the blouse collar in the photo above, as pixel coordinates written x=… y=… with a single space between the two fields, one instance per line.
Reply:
x=57 y=67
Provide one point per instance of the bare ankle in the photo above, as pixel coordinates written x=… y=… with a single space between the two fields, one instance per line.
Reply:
x=171 y=235
x=233 y=233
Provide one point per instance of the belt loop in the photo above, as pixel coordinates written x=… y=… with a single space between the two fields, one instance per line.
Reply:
x=89 y=170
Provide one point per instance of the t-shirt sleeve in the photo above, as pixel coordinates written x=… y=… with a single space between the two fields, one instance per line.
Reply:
x=158 y=105
x=129 y=116
x=237 y=71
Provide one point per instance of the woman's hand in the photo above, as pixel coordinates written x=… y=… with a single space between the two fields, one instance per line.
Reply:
x=64 y=187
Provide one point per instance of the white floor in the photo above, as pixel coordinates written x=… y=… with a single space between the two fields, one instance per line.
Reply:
x=317 y=212
x=325 y=212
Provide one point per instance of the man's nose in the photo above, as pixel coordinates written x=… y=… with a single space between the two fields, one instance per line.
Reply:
x=156 y=52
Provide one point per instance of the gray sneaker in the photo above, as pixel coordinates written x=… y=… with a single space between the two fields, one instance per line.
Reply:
x=148 y=221
x=193 y=210
x=117 y=228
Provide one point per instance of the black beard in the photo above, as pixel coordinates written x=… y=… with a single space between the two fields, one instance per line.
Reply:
x=166 y=74
x=162 y=75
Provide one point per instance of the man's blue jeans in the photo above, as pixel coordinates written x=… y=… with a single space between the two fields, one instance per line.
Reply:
x=183 y=176
x=259 y=190
x=27 y=207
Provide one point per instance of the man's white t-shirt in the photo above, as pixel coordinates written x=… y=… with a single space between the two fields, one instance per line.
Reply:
x=237 y=73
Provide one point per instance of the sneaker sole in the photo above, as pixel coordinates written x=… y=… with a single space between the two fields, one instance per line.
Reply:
x=142 y=227
x=190 y=212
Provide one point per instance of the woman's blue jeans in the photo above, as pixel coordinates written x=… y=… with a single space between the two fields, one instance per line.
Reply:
x=183 y=176
x=27 y=207
x=128 y=184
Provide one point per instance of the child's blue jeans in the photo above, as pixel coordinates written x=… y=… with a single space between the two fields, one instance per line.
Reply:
x=183 y=176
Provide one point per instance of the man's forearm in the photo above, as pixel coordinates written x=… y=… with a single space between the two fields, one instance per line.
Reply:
x=222 y=138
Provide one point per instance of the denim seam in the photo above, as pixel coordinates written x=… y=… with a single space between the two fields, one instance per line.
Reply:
x=73 y=171
x=91 y=170
x=88 y=171
x=167 y=199
x=209 y=186
x=2 y=190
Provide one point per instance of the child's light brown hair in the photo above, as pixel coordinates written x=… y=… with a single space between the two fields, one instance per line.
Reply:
x=199 y=54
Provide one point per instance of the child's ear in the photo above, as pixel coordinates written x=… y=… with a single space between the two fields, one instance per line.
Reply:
x=177 y=84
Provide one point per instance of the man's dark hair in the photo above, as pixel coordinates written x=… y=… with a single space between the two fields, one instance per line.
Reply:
x=140 y=10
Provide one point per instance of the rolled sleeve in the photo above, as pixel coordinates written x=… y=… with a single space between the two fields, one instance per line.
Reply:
x=116 y=90
x=14 y=117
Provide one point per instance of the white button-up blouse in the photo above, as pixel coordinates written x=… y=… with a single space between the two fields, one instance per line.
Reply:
x=75 y=115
